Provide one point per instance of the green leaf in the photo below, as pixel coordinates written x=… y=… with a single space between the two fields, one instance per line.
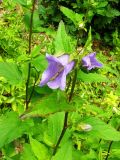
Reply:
x=22 y=2
x=65 y=152
x=111 y=12
x=62 y=42
x=101 y=4
x=53 y=130
x=102 y=130
x=40 y=63
x=91 y=77
x=88 y=156
x=27 y=153
x=10 y=72
x=48 y=105
x=44 y=90
x=39 y=149
x=88 y=44
x=75 y=17
x=36 y=20
x=11 y=127
x=36 y=51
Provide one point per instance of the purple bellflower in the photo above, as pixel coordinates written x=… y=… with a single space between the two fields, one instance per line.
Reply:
x=90 y=61
x=58 y=68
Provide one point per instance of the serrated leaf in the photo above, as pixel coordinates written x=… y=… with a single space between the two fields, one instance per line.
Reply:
x=11 y=127
x=75 y=17
x=62 y=42
x=102 y=130
x=65 y=152
x=39 y=149
x=10 y=72
x=48 y=105
x=91 y=77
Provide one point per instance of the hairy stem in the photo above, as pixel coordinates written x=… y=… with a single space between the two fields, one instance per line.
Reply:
x=66 y=114
x=29 y=65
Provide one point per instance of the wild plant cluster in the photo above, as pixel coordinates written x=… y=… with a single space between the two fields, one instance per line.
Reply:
x=59 y=80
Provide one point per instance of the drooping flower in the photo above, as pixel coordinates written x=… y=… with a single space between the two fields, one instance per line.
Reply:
x=90 y=61
x=58 y=68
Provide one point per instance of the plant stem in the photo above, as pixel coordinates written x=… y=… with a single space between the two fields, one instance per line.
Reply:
x=32 y=90
x=66 y=114
x=62 y=133
x=110 y=145
x=69 y=82
x=73 y=85
x=29 y=65
x=108 y=152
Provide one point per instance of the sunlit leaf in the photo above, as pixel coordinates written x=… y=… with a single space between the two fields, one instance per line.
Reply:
x=27 y=153
x=10 y=72
x=40 y=63
x=75 y=17
x=65 y=152
x=87 y=47
x=91 y=77
x=11 y=127
x=53 y=130
x=22 y=2
x=102 y=130
x=48 y=105
x=63 y=42
x=39 y=149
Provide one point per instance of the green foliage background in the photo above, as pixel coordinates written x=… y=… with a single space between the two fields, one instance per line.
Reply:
x=32 y=134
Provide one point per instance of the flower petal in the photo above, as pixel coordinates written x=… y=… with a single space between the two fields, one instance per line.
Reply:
x=63 y=81
x=98 y=64
x=86 y=61
x=50 y=72
x=95 y=62
x=91 y=67
x=64 y=59
x=92 y=55
x=53 y=68
x=51 y=58
x=69 y=67
x=90 y=61
x=56 y=82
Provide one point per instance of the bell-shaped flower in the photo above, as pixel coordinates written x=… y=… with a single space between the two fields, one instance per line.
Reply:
x=58 y=68
x=90 y=61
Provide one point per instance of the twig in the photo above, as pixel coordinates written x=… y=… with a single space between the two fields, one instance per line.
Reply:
x=66 y=114
x=29 y=65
